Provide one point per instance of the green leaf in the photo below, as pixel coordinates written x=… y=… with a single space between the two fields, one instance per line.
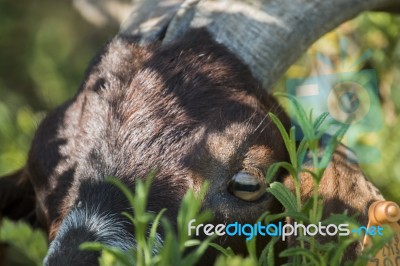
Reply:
x=271 y=172
x=234 y=261
x=190 y=209
x=296 y=251
x=153 y=229
x=228 y=252
x=267 y=256
x=339 y=251
x=275 y=167
x=319 y=121
x=282 y=131
x=283 y=195
x=302 y=151
x=251 y=248
x=301 y=115
x=194 y=256
x=292 y=138
x=123 y=257
x=28 y=245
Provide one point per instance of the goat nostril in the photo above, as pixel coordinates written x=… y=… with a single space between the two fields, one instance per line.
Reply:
x=247 y=187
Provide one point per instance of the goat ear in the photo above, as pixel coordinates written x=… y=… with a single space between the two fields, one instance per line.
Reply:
x=17 y=197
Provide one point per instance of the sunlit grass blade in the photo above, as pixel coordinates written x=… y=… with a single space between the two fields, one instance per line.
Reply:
x=286 y=138
x=153 y=230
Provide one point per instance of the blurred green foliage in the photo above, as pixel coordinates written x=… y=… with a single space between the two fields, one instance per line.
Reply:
x=45 y=47
x=375 y=34
x=27 y=246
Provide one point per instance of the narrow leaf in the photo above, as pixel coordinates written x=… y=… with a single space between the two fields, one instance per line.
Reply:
x=283 y=195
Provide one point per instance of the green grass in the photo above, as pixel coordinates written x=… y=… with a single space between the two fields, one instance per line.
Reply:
x=26 y=246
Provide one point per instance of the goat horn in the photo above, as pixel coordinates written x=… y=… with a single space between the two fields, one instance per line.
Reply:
x=267 y=35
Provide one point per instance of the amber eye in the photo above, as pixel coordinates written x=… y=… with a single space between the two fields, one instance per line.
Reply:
x=246 y=186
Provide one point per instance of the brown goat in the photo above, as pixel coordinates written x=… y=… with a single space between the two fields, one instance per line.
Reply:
x=192 y=111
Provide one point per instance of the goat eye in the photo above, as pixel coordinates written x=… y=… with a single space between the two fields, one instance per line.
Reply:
x=247 y=187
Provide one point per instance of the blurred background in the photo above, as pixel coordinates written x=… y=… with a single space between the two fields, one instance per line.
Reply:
x=46 y=45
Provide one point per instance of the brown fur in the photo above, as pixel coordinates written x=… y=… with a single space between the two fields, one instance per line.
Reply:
x=190 y=110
